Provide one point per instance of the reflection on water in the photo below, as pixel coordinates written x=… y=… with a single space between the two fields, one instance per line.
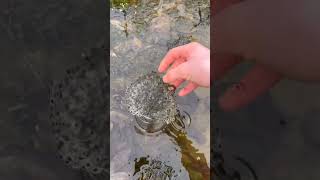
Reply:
x=141 y=34
x=194 y=161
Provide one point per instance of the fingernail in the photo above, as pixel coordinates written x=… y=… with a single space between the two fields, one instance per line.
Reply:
x=165 y=79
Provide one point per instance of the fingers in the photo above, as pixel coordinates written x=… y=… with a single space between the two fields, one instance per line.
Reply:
x=255 y=83
x=177 y=63
x=177 y=82
x=176 y=53
x=222 y=63
x=188 y=89
x=174 y=74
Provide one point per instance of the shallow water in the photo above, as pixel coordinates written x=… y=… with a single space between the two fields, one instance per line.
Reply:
x=140 y=37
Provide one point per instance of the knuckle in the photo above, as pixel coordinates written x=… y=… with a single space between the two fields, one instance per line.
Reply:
x=170 y=75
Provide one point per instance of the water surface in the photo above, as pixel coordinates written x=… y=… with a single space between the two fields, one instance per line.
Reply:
x=141 y=34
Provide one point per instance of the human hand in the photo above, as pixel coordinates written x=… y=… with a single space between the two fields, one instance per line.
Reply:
x=190 y=62
x=281 y=37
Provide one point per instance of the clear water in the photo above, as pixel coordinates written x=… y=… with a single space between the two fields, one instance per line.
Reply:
x=141 y=34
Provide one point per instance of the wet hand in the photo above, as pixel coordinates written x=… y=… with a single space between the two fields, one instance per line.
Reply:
x=190 y=62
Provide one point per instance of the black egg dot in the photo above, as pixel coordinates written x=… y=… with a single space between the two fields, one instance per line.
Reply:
x=66 y=138
x=88 y=165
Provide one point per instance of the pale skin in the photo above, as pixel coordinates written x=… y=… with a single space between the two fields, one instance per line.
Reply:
x=282 y=38
x=191 y=63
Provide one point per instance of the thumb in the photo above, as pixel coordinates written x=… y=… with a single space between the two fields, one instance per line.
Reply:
x=179 y=72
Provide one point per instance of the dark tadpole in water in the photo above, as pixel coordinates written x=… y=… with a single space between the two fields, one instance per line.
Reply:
x=78 y=115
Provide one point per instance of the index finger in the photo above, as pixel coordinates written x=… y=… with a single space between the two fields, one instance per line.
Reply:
x=174 y=54
x=255 y=83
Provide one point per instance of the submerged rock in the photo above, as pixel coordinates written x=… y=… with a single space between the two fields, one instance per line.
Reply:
x=182 y=39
